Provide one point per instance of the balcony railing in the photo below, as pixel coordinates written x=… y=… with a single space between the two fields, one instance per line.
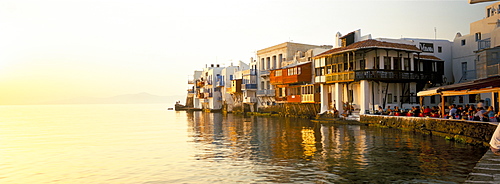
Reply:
x=384 y=75
x=484 y=44
x=265 y=73
x=266 y=92
x=249 y=72
x=293 y=98
x=310 y=98
x=248 y=86
x=468 y=75
x=340 y=77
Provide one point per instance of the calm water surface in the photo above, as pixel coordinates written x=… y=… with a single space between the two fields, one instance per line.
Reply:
x=148 y=144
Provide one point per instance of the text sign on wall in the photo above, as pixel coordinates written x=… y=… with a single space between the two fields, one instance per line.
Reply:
x=427 y=47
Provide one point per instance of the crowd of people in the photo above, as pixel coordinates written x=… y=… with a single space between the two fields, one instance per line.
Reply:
x=467 y=112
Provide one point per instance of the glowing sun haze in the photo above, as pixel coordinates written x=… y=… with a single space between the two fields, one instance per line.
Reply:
x=53 y=50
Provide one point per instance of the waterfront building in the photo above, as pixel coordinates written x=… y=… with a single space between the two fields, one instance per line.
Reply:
x=249 y=86
x=293 y=83
x=439 y=48
x=191 y=100
x=224 y=83
x=278 y=57
x=477 y=55
x=208 y=95
x=361 y=74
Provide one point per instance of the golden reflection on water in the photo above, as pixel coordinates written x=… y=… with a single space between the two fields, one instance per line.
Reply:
x=147 y=144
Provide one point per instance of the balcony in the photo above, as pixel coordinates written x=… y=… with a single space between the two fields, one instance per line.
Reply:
x=311 y=98
x=266 y=92
x=293 y=99
x=468 y=75
x=384 y=76
x=484 y=44
x=340 y=77
x=249 y=72
x=264 y=73
x=248 y=86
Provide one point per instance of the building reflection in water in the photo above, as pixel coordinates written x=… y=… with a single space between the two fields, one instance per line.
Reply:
x=292 y=150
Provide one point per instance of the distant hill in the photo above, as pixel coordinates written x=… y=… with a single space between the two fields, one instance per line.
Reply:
x=139 y=98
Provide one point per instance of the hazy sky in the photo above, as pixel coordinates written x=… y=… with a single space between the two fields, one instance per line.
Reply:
x=52 y=50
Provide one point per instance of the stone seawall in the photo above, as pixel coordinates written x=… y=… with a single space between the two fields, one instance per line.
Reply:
x=470 y=132
x=293 y=110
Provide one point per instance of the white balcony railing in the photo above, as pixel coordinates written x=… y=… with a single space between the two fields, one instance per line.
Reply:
x=266 y=92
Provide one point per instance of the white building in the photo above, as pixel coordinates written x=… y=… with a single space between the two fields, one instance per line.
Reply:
x=208 y=94
x=476 y=55
x=224 y=83
x=365 y=73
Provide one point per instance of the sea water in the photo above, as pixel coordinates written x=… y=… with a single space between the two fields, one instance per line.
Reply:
x=147 y=143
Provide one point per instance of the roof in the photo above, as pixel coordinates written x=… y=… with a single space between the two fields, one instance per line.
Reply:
x=485 y=85
x=371 y=43
x=293 y=65
x=430 y=57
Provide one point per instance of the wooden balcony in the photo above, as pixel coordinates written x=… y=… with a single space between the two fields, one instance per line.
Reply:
x=311 y=98
x=384 y=76
x=293 y=99
x=340 y=77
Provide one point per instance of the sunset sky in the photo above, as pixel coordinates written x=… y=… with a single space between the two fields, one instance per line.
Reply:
x=53 y=50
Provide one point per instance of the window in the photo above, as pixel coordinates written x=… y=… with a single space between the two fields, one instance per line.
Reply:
x=460 y=99
x=362 y=64
x=376 y=63
x=440 y=49
x=397 y=63
x=416 y=65
x=464 y=68
x=463 y=42
x=407 y=64
x=395 y=99
x=478 y=36
x=433 y=99
x=387 y=63
x=389 y=98
x=472 y=98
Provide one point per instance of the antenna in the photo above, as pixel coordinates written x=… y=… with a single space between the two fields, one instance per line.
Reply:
x=435 y=33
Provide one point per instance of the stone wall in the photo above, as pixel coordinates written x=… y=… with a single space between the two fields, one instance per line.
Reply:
x=292 y=110
x=470 y=132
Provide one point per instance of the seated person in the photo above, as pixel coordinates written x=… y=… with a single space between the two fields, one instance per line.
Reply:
x=380 y=110
x=388 y=111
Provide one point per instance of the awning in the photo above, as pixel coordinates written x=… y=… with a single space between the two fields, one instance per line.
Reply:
x=486 y=85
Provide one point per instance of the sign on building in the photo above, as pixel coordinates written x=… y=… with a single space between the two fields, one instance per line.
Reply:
x=427 y=47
